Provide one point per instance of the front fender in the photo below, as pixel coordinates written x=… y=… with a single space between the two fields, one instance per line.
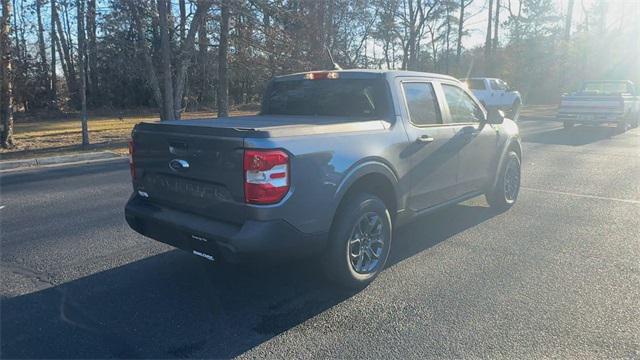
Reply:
x=512 y=143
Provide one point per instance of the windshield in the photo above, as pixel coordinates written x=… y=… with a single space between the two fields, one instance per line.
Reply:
x=361 y=98
x=607 y=87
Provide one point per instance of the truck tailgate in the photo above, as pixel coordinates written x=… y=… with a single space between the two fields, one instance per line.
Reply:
x=191 y=168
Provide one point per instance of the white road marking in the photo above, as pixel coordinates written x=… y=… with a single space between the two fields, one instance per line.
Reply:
x=2 y=207
x=583 y=195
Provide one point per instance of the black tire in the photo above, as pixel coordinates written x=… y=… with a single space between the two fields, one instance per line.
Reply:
x=500 y=197
x=568 y=124
x=338 y=260
x=622 y=126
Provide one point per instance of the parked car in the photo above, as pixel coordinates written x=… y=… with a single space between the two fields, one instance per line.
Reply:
x=495 y=93
x=332 y=164
x=602 y=102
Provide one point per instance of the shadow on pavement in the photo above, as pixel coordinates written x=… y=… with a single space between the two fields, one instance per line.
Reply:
x=577 y=136
x=174 y=305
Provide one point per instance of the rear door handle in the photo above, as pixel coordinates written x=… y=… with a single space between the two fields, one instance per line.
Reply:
x=424 y=139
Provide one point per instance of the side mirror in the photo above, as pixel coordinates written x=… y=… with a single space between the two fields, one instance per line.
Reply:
x=495 y=116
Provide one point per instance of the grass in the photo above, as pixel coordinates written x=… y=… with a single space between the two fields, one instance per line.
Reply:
x=41 y=138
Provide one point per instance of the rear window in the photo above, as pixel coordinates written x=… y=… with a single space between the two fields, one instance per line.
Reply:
x=475 y=84
x=360 y=98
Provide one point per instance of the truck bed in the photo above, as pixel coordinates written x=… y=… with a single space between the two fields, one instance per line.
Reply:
x=264 y=126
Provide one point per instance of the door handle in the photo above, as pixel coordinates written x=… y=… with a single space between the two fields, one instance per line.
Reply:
x=424 y=139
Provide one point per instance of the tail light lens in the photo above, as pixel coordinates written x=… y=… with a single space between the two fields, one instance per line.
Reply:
x=266 y=176
x=132 y=167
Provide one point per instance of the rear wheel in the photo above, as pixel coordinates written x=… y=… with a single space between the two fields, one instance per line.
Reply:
x=622 y=125
x=505 y=192
x=360 y=242
x=568 y=124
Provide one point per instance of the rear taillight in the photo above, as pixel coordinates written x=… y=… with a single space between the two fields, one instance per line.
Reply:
x=132 y=167
x=266 y=176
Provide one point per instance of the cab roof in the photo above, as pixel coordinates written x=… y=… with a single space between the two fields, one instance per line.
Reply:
x=368 y=73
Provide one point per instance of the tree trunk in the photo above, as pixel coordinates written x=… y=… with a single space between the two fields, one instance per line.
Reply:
x=460 y=30
x=66 y=60
x=186 y=53
x=42 y=52
x=152 y=77
x=568 y=20
x=487 y=44
x=203 y=48
x=496 y=27
x=92 y=49
x=183 y=19
x=223 y=80
x=165 y=56
x=54 y=93
x=6 y=92
x=81 y=71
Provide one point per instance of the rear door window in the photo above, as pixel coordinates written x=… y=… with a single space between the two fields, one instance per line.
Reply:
x=498 y=85
x=422 y=104
x=476 y=84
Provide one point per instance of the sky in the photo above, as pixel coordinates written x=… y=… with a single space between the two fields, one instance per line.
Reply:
x=477 y=23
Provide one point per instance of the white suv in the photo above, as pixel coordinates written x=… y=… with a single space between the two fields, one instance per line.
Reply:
x=495 y=93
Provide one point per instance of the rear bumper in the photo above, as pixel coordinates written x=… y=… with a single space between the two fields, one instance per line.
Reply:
x=595 y=118
x=261 y=240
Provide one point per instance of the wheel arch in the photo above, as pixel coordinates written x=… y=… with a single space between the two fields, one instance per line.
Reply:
x=512 y=144
x=375 y=177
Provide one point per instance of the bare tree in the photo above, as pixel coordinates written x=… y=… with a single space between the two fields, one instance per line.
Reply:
x=496 y=27
x=54 y=93
x=568 y=20
x=42 y=52
x=6 y=92
x=223 y=49
x=487 y=44
x=461 y=18
x=165 y=60
x=92 y=49
x=81 y=70
x=185 y=54
x=152 y=77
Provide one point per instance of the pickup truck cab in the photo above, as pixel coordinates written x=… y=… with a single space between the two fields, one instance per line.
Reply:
x=332 y=164
x=602 y=102
x=495 y=93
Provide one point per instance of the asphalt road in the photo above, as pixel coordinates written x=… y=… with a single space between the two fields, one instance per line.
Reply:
x=557 y=275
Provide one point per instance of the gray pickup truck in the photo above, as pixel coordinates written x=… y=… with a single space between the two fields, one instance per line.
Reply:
x=602 y=102
x=334 y=161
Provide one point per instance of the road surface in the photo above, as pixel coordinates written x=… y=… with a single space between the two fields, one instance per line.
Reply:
x=557 y=275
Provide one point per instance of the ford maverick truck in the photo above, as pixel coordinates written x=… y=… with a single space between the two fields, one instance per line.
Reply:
x=334 y=161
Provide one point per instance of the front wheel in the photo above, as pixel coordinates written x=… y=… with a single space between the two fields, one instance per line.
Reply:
x=505 y=192
x=360 y=241
x=568 y=124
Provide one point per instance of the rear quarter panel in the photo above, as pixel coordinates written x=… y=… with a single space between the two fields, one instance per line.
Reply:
x=322 y=164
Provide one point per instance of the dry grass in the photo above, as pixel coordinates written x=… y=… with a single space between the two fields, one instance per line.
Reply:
x=57 y=137
x=36 y=138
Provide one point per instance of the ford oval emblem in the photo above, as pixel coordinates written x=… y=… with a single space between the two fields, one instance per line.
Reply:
x=178 y=165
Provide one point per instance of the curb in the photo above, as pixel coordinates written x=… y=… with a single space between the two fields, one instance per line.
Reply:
x=58 y=160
